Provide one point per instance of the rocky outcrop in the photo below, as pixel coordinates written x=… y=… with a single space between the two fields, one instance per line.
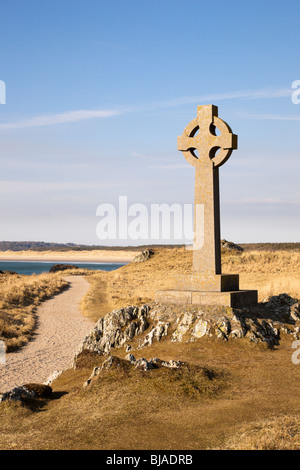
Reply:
x=144 y=256
x=230 y=246
x=39 y=390
x=116 y=329
x=157 y=332
x=130 y=362
x=27 y=392
x=136 y=328
x=193 y=326
x=283 y=307
x=9 y=273
x=61 y=267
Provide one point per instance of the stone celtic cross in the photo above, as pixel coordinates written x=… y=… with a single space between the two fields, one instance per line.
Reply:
x=212 y=151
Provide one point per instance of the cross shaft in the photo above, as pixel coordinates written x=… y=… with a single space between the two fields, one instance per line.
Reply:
x=213 y=151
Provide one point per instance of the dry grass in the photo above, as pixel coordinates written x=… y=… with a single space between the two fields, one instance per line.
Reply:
x=269 y=262
x=20 y=295
x=272 y=434
x=271 y=273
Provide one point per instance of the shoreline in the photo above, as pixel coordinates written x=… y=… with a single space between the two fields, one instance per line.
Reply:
x=96 y=256
x=62 y=261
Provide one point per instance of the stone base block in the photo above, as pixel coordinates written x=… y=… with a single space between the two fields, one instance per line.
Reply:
x=233 y=299
x=207 y=282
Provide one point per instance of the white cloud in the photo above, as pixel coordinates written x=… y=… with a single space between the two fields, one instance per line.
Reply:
x=70 y=116
x=175 y=166
x=9 y=187
x=82 y=115
x=209 y=98
x=275 y=117
x=260 y=201
x=138 y=155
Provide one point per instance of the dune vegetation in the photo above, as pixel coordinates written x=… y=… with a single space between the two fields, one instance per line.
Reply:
x=281 y=433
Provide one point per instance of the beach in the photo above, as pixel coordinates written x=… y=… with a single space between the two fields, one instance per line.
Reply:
x=101 y=256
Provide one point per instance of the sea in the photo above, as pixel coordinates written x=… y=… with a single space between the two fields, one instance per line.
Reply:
x=38 y=267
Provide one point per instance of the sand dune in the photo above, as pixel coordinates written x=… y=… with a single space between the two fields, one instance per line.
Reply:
x=101 y=256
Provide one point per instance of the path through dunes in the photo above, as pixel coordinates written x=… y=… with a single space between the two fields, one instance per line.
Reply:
x=60 y=328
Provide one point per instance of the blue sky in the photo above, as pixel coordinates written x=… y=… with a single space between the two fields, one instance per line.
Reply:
x=98 y=91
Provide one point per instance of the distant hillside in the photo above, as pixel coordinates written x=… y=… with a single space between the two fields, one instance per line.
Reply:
x=47 y=246
x=270 y=246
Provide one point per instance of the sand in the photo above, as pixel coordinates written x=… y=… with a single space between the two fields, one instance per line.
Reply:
x=61 y=327
x=101 y=256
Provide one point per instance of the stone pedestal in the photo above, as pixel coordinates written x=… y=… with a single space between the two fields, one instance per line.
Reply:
x=232 y=299
x=208 y=282
x=214 y=289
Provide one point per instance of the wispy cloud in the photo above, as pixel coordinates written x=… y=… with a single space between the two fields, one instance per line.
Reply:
x=209 y=98
x=138 y=155
x=109 y=45
x=83 y=115
x=175 y=166
x=70 y=116
x=10 y=187
x=144 y=156
x=275 y=117
x=270 y=201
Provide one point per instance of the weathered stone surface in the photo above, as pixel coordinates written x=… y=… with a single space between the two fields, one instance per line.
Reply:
x=184 y=325
x=200 y=329
x=172 y=364
x=130 y=358
x=283 y=307
x=55 y=374
x=144 y=256
x=157 y=332
x=141 y=364
x=208 y=283
x=116 y=329
x=234 y=299
x=26 y=392
x=40 y=390
x=263 y=332
x=17 y=394
x=200 y=134
x=230 y=246
x=143 y=325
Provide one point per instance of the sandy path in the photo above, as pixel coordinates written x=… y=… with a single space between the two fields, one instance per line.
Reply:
x=61 y=327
